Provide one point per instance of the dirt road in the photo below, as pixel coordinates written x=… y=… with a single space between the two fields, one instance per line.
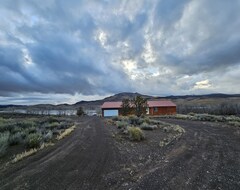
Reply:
x=206 y=157
x=77 y=162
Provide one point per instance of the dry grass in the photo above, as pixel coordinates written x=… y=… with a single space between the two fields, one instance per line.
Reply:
x=24 y=154
x=66 y=132
x=30 y=152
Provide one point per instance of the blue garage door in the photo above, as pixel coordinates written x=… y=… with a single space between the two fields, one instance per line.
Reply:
x=108 y=113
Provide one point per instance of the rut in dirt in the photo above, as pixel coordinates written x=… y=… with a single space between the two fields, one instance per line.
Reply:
x=77 y=162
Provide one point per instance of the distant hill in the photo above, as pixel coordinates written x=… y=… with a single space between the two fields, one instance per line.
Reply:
x=114 y=98
x=185 y=99
x=205 y=96
x=11 y=106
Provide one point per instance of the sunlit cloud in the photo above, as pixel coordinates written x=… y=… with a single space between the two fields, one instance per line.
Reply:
x=205 y=84
x=97 y=48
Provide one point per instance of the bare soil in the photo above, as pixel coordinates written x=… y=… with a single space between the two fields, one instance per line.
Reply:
x=207 y=156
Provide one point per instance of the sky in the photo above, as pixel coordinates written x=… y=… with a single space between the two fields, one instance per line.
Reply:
x=58 y=51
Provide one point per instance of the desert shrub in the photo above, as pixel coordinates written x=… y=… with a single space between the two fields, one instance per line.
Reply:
x=53 y=125
x=34 y=140
x=26 y=124
x=56 y=132
x=233 y=118
x=181 y=116
x=121 y=124
x=135 y=133
x=146 y=120
x=165 y=142
x=2 y=124
x=115 y=118
x=15 y=139
x=178 y=129
x=123 y=119
x=6 y=126
x=191 y=113
x=146 y=126
x=166 y=129
x=3 y=142
x=16 y=129
x=48 y=136
x=208 y=117
x=31 y=130
x=52 y=119
x=204 y=117
x=133 y=120
x=234 y=123
x=23 y=134
x=63 y=125
x=155 y=122
x=2 y=120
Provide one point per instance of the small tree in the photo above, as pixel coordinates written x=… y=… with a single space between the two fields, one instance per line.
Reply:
x=126 y=106
x=80 y=111
x=140 y=105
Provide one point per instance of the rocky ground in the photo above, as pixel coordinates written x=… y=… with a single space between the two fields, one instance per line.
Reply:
x=207 y=156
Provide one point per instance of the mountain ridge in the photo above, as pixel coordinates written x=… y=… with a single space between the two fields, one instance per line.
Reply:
x=122 y=95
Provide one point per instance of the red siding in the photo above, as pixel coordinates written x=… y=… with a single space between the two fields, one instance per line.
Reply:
x=163 y=111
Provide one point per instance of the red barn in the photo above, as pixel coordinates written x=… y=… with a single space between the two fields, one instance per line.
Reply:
x=155 y=107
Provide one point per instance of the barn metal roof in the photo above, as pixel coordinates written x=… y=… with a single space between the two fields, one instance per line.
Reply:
x=151 y=103
x=111 y=105
x=161 y=103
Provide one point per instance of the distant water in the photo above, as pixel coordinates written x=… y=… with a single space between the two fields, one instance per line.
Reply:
x=48 y=112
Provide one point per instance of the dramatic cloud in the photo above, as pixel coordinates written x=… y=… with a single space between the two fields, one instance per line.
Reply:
x=59 y=50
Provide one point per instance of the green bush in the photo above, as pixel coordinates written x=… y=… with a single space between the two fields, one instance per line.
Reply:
x=121 y=124
x=146 y=119
x=234 y=123
x=64 y=125
x=16 y=129
x=6 y=126
x=166 y=129
x=23 y=134
x=31 y=130
x=26 y=124
x=135 y=133
x=115 y=118
x=48 y=136
x=191 y=113
x=3 y=143
x=52 y=119
x=233 y=118
x=133 y=119
x=146 y=126
x=2 y=120
x=178 y=129
x=34 y=140
x=53 y=125
x=15 y=138
x=155 y=122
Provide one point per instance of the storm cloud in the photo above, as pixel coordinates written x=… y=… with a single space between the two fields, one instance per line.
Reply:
x=89 y=49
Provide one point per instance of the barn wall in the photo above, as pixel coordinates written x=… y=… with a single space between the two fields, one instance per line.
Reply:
x=163 y=111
